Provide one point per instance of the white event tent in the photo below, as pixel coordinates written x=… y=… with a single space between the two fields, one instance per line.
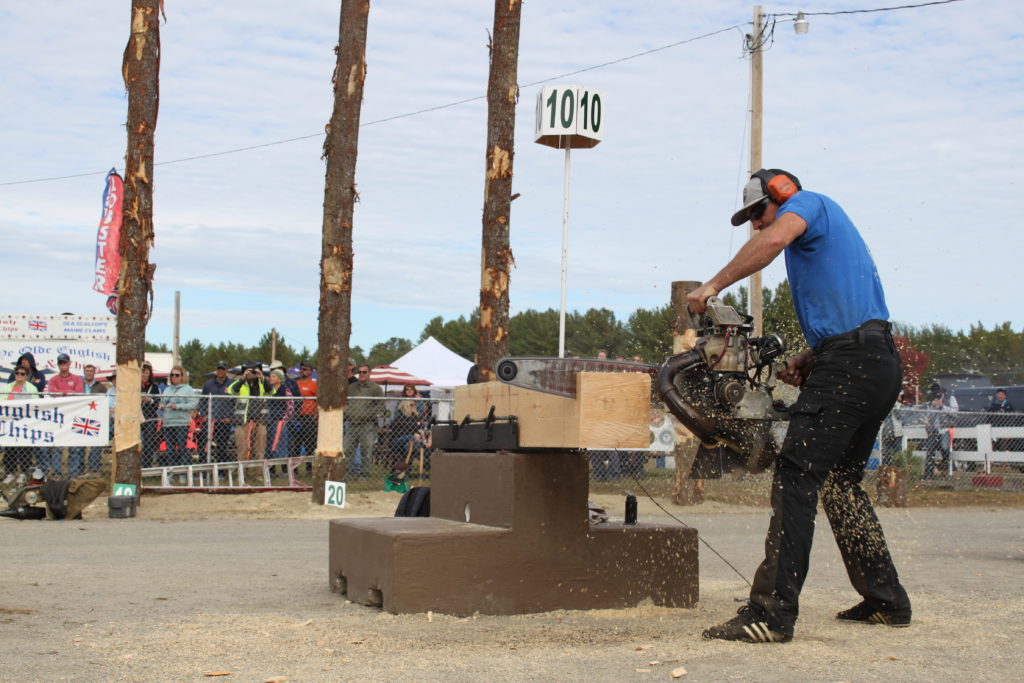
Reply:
x=435 y=362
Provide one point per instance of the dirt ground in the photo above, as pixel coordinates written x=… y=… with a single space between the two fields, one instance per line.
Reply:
x=237 y=584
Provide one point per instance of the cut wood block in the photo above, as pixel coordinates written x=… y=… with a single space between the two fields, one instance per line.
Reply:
x=611 y=410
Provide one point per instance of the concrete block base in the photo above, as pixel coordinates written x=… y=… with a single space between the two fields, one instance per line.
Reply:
x=509 y=534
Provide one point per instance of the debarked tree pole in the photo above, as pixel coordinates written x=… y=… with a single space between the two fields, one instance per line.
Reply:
x=686 y=491
x=496 y=261
x=141 y=73
x=340 y=196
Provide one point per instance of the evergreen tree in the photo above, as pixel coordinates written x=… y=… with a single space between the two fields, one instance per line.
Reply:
x=597 y=328
x=385 y=353
x=649 y=334
x=534 y=333
x=459 y=335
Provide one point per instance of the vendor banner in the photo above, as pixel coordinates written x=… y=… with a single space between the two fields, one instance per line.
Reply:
x=100 y=354
x=65 y=421
x=82 y=327
x=108 y=259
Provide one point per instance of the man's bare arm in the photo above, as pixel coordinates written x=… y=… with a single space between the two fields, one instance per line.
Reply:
x=757 y=253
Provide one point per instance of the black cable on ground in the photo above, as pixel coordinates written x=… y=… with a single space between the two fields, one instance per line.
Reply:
x=701 y=538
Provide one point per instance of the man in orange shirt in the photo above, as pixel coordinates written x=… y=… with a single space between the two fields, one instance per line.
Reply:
x=305 y=425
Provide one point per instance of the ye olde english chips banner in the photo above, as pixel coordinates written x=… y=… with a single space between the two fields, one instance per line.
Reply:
x=65 y=421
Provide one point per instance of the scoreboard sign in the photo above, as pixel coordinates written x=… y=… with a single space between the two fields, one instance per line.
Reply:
x=569 y=116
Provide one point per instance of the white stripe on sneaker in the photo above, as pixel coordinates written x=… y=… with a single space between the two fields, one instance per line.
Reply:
x=759 y=632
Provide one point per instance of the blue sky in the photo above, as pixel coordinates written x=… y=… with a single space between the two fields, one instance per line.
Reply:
x=910 y=119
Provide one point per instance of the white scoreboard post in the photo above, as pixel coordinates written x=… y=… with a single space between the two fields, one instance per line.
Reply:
x=568 y=116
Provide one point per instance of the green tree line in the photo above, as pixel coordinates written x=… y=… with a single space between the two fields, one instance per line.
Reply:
x=997 y=353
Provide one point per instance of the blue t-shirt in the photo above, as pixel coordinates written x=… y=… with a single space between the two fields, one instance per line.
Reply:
x=832 y=276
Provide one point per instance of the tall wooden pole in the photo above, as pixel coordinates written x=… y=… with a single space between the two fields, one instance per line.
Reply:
x=141 y=73
x=340 y=196
x=756 y=106
x=177 y=328
x=686 y=491
x=502 y=95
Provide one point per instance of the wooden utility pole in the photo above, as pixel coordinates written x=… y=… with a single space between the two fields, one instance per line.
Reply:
x=686 y=491
x=756 y=107
x=177 y=329
x=502 y=95
x=141 y=72
x=340 y=196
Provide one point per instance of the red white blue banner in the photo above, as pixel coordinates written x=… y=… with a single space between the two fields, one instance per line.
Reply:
x=35 y=326
x=108 y=259
x=102 y=355
x=64 y=421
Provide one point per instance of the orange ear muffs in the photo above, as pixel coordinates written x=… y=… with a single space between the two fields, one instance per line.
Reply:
x=781 y=188
x=778 y=184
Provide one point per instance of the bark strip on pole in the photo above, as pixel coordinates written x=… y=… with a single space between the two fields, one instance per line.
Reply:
x=686 y=491
x=502 y=95
x=141 y=73
x=340 y=196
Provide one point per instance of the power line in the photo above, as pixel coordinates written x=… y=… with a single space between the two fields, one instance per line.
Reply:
x=481 y=97
x=396 y=116
x=865 y=11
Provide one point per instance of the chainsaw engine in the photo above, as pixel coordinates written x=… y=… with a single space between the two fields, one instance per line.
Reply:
x=721 y=390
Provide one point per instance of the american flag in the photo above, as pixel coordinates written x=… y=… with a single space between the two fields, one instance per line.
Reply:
x=86 y=426
x=37 y=325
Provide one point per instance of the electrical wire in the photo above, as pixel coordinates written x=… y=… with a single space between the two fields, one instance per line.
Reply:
x=865 y=11
x=396 y=117
x=701 y=538
x=766 y=37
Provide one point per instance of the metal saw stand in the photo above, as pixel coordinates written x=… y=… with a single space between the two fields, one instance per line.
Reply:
x=509 y=534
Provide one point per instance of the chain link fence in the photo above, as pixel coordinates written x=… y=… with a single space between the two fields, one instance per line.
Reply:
x=951 y=449
x=940 y=448
x=226 y=429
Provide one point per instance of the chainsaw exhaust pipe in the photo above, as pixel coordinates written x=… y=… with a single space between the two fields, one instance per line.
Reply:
x=703 y=428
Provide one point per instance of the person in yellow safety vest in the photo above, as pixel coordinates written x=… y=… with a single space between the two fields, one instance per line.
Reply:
x=251 y=432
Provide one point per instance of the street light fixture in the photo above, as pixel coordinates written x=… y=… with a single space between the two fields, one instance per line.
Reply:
x=800 y=24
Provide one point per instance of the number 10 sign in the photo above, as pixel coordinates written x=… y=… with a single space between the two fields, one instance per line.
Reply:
x=568 y=116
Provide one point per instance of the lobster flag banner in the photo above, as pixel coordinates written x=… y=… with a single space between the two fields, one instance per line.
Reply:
x=64 y=421
x=108 y=260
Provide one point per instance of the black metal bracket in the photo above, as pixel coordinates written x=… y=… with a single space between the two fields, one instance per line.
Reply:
x=492 y=433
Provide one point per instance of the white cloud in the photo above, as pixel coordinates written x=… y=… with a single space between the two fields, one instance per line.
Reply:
x=910 y=119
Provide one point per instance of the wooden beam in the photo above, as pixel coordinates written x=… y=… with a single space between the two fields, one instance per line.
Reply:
x=611 y=410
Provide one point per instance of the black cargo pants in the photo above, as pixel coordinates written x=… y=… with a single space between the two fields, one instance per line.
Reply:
x=854 y=383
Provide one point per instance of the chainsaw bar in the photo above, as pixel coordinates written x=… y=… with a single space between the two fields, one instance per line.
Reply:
x=558 y=375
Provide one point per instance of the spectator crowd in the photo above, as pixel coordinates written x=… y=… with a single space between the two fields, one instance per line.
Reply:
x=249 y=412
x=256 y=412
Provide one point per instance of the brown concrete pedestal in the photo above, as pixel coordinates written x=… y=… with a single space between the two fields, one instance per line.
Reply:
x=509 y=534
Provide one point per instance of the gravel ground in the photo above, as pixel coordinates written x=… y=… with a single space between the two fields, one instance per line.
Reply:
x=238 y=585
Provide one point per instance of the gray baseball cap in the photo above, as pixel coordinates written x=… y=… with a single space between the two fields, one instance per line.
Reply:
x=753 y=194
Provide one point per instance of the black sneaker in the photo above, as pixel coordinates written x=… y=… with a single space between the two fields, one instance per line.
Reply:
x=747 y=626
x=866 y=614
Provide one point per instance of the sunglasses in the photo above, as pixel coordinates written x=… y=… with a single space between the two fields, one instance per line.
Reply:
x=175 y=374
x=364 y=372
x=757 y=210
x=21 y=374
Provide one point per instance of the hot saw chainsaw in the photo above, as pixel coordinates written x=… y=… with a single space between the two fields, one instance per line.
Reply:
x=721 y=389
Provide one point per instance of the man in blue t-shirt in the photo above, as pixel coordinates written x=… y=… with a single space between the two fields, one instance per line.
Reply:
x=849 y=377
